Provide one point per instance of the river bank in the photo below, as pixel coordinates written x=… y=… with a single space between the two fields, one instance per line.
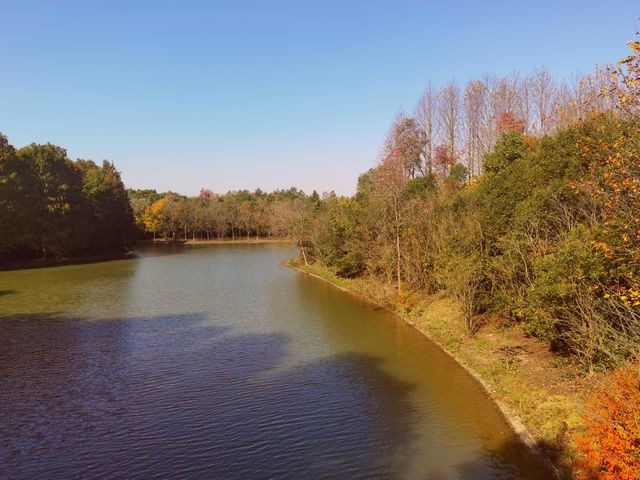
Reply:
x=219 y=241
x=541 y=395
x=29 y=263
x=227 y=241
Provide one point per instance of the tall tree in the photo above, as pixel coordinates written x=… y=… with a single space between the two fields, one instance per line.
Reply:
x=425 y=117
x=64 y=216
x=18 y=202
x=112 y=216
x=449 y=103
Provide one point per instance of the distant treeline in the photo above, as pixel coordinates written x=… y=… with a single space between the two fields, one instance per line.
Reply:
x=52 y=207
x=237 y=214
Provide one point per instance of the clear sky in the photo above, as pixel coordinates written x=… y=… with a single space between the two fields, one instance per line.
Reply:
x=271 y=94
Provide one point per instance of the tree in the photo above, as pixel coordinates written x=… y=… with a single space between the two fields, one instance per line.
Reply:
x=388 y=185
x=112 y=216
x=476 y=112
x=544 y=91
x=449 y=115
x=425 y=117
x=154 y=216
x=64 y=217
x=510 y=148
x=624 y=81
x=509 y=123
x=18 y=202
x=443 y=160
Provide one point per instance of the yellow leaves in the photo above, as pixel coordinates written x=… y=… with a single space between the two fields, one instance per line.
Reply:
x=152 y=215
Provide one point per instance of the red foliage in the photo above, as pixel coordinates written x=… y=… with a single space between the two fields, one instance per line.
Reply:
x=206 y=193
x=609 y=449
x=444 y=159
x=509 y=123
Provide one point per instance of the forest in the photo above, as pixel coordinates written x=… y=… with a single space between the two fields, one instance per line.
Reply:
x=52 y=207
x=517 y=196
x=234 y=215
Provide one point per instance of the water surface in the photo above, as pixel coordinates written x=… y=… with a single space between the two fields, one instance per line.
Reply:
x=219 y=362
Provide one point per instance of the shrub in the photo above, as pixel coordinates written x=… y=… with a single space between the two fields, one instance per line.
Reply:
x=609 y=449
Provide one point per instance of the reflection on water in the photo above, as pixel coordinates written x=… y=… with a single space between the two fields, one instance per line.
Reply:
x=219 y=362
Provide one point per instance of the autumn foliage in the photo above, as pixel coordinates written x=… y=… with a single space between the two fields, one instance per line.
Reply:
x=444 y=159
x=609 y=449
x=509 y=123
x=624 y=80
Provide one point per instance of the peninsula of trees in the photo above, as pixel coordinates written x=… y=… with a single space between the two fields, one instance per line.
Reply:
x=52 y=207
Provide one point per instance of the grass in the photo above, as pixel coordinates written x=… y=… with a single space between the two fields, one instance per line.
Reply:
x=533 y=387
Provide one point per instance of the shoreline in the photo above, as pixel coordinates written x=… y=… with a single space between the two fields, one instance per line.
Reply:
x=217 y=241
x=242 y=241
x=34 y=263
x=513 y=419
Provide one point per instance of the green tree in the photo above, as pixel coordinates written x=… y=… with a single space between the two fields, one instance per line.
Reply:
x=64 y=216
x=18 y=202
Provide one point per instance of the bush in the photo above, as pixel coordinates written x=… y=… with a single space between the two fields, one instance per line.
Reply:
x=609 y=449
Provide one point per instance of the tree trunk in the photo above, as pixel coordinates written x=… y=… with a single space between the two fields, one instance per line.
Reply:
x=398 y=267
x=304 y=255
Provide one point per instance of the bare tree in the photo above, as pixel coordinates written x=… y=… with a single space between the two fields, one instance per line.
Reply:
x=424 y=115
x=406 y=143
x=449 y=107
x=544 y=91
x=475 y=116
x=524 y=103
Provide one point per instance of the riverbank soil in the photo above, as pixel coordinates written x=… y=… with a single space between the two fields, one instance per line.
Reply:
x=541 y=394
x=221 y=241
x=28 y=263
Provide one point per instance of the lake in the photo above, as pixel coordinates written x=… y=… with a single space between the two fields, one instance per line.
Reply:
x=220 y=362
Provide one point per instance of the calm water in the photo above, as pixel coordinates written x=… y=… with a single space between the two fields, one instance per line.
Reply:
x=219 y=362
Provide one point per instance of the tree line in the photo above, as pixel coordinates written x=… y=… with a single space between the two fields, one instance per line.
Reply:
x=233 y=215
x=52 y=207
x=462 y=123
x=522 y=203
x=520 y=199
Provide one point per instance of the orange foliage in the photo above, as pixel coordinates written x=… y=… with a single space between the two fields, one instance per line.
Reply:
x=624 y=80
x=609 y=449
x=611 y=148
x=509 y=123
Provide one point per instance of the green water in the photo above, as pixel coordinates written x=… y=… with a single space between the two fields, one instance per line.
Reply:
x=221 y=362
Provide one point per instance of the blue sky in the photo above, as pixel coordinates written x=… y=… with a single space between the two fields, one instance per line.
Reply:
x=271 y=94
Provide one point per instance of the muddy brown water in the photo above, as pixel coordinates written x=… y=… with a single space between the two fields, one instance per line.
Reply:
x=220 y=362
